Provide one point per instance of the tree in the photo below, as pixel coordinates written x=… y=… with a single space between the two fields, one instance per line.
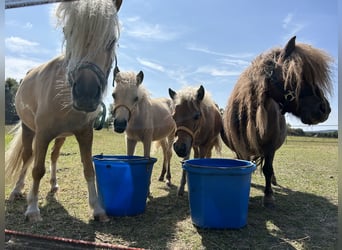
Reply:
x=11 y=87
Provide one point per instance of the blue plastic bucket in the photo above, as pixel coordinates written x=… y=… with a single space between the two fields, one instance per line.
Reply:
x=123 y=183
x=219 y=191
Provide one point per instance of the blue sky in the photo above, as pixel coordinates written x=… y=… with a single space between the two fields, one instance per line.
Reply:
x=179 y=43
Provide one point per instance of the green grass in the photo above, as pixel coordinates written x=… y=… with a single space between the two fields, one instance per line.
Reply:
x=305 y=216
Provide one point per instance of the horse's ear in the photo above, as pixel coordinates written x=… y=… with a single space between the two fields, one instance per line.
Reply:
x=117 y=4
x=200 y=93
x=289 y=48
x=172 y=94
x=116 y=71
x=140 y=77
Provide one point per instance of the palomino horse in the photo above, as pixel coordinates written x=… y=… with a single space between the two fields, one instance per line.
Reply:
x=199 y=124
x=143 y=118
x=292 y=79
x=62 y=97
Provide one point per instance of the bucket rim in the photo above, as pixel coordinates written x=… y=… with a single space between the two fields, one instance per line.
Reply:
x=247 y=165
x=121 y=158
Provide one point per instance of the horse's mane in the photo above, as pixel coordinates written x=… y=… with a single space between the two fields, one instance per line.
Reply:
x=95 y=23
x=305 y=60
x=189 y=93
x=128 y=80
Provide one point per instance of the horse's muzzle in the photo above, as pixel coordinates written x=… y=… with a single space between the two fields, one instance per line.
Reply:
x=120 y=126
x=181 y=149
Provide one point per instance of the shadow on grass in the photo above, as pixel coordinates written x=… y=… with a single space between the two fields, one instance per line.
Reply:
x=155 y=227
x=55 y=217
x=299 y=221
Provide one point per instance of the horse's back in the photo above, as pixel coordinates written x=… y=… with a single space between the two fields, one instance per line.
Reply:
x=162 y=109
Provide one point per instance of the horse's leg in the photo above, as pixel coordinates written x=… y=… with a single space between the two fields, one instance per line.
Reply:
x=183 y=178
x=182 y=182
x=40 y=148
x=85 y=142
x=147 y=150
x=163 y=172
x=53 y=167
x=27 y=139
x=130 y=144
x=166 y=162
x=169 y=151
x=267 y=169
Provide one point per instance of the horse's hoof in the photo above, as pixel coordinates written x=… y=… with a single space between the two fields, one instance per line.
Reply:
x=268 y=202
x=161 y=178
x=15 y=196
x=33 y=217
x=54 y=189
x=101 y=218
x=168 y=183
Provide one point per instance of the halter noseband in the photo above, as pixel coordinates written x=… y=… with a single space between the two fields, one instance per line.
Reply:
x=94 y=68
x=123 y=106
x=186 y=130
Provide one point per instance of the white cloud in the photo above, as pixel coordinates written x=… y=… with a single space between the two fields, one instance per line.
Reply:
x=218 y=72
x=292 y=26
x=137 y=28
x=234 y=62
x=211 y=52
x=151 y=65
x=287 y=20
x=28 y=25
x=19 y=45
x=17 y=67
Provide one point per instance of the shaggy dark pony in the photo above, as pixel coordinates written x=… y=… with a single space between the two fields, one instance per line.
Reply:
x=293 y=79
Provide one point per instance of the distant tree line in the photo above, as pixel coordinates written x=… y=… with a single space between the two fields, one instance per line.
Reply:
x=11 y=87
x=301 y=132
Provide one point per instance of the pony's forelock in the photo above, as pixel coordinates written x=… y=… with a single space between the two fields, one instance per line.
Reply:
x=129 y=80
x=189 y=93
x=310 y=62
x=98 y=17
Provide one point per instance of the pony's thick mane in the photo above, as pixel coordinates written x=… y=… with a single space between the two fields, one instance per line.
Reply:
x=189 y=93
x=305 y=60
x=94 y=23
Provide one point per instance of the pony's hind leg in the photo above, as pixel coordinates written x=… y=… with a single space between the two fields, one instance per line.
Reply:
x=166 y=162
x=267 y=170
x=53 y=167
x=85 y=140
x=27 y=156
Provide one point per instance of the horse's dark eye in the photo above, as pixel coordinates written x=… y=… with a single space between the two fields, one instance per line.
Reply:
x=113 y=95
x=197 y=116
x=136 y=99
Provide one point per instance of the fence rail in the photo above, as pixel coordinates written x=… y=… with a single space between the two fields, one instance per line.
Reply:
x=9 y=4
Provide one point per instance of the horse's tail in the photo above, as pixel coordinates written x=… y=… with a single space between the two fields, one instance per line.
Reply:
x=224 y=137
x=13 y=156
x=218 y=145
